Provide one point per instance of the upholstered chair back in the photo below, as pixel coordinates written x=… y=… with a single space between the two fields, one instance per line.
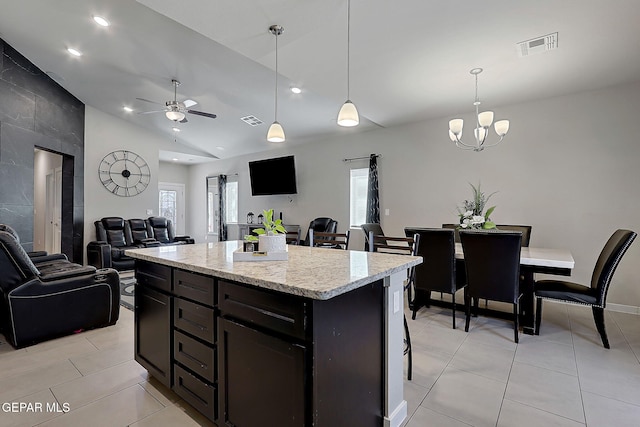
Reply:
x=15 y=264
x=608 y=261
x=138 y=229
x=113 y=230
x=161 y=229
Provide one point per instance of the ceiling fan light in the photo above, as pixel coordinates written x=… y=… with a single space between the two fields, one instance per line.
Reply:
x=275 y=133
x=176 y=116
x=348 y=115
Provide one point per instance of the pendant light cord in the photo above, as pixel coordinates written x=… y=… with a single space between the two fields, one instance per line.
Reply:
x=348 y=48
x=276 y=109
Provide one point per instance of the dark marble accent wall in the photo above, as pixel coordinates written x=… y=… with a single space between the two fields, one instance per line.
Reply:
x=36 y=112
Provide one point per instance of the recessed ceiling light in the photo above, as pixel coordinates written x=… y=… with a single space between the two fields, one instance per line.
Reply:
x=175 y=129
x=296 y=90
x=174 y=159
x=101 y=21
x=127 y=109
x=74 y=52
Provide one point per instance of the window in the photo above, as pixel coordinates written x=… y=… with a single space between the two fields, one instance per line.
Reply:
x=167 y=208
x=231 y=214
x=358 y=196
x=171 y=204
x=211 y=209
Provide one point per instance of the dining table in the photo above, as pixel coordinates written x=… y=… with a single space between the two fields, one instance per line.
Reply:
x=534 y=260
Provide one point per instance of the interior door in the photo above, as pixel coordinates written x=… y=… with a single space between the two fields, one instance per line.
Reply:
x=53 y=224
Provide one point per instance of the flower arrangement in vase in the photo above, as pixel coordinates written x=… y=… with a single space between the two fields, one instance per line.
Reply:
x=471 y=213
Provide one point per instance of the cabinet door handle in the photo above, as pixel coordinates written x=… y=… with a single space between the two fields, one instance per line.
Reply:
x=191 y=322
x=184 y=285
x=188 y=356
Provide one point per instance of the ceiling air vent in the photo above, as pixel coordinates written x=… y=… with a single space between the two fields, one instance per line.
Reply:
x=538 y=45
x=251 y=120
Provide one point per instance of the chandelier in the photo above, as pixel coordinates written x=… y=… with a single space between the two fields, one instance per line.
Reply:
x=483 y=123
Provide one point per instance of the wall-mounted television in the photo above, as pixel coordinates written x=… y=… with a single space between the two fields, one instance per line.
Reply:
x=273 y=176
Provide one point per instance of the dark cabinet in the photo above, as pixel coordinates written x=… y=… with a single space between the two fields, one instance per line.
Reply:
x=262 y=378
x=153 y=332
x=246 y=356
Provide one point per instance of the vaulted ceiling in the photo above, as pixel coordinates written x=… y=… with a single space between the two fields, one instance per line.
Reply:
x=410 y=60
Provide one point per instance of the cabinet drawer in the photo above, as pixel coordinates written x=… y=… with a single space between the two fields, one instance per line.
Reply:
x=156 y=275
x=197 y=393
x=275 y=311
x=195 y=355
x=194 y=287
x=195 y=319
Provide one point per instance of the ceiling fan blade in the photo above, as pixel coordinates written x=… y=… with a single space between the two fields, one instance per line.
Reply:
x=149 y=112
x=184 y=120
x=151 y=102
x=189 y=103
x=201 y=113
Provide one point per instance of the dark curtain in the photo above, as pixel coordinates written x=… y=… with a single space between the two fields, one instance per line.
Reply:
x=373 y=198
x=222 y=194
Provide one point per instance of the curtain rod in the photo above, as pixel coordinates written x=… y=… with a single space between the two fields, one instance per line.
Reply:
x=361 y=158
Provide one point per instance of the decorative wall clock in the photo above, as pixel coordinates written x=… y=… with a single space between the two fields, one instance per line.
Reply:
x=124 y=173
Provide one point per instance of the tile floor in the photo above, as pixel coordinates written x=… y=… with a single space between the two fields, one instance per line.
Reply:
x=564 y=377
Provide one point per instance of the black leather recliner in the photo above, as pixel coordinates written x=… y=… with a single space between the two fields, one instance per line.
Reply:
x=113 y=237
x=44 y=301
x=322 y=225
x=161 y=229
x=37 y=257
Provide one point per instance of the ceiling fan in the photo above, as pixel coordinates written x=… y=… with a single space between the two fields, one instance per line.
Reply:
x=174 y=110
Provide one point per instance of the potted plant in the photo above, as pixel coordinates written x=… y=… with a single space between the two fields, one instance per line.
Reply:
x=271 y=238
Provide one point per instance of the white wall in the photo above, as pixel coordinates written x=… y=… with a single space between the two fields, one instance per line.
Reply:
x=174 y=173
x=105 y=133
x=568 y=167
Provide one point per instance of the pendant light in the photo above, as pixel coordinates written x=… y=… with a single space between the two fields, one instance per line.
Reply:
x=276 y=133
x=348 y=115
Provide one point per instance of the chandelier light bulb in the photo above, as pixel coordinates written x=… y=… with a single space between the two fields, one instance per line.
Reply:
x=502 y=127
x=485 y=119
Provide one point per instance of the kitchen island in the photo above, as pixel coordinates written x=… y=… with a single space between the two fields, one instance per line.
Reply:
x=314 y=340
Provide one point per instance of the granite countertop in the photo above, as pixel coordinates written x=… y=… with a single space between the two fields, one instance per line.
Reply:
x=315 y=273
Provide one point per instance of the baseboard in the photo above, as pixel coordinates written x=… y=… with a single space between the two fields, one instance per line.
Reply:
x=397 y=416
x=622 y=308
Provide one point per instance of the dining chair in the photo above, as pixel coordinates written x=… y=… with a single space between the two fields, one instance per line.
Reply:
x=524 y=229
x=293 y=237
x=594 y=295
x=323 y=225
x=400 y=246
x=456 y=228
x=438 y=270
x=492 y=264
x=329 y=240
x=368 y=228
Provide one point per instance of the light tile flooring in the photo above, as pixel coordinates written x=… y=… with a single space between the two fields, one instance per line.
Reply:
x=564 y=377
